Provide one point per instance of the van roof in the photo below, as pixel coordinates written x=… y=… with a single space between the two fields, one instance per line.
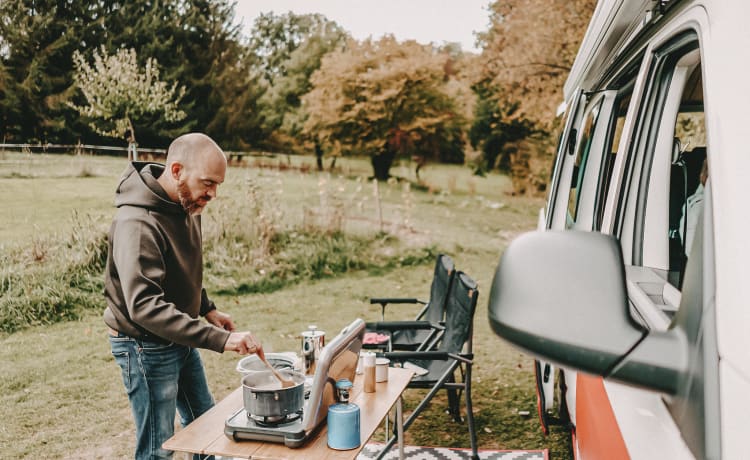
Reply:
x=613 y=24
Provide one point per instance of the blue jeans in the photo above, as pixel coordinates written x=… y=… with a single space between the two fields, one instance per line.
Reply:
x=159 y=380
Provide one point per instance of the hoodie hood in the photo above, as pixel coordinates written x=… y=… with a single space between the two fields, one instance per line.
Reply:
x=138 y=187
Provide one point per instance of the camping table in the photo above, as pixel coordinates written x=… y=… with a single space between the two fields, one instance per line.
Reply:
x=205 y=435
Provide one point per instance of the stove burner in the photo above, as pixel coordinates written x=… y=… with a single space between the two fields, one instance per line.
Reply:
x=271 y=421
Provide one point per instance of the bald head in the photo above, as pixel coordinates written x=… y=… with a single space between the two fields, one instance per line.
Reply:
x=195 y=168
x=189 y=148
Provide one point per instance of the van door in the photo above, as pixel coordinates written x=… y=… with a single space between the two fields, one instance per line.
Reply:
x=544 y=371
x=662 y=168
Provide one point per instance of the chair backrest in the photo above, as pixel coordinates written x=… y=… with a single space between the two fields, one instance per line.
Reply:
x=459 y=314
x=445 y=271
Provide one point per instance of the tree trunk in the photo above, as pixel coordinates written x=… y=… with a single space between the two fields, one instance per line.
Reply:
x=319 y=156
x=419 y=161
x=381 y=164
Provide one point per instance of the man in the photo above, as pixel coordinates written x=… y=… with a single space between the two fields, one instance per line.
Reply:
x=154 y=293
x=692 y=210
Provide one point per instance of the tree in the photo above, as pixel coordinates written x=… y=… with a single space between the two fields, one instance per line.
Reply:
x=194 y=41
x=384 y=99
x=495 y=127
x=117 y=92
x=196 y=44
x=274 y=38
x=527 y=55
x=529 y=50
x=285 y=50
x=238 y=123
x=7 y=104
x=38 y=39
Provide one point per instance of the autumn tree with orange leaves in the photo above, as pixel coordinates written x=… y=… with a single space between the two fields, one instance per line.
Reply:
x=388 y=99
x=527 y=55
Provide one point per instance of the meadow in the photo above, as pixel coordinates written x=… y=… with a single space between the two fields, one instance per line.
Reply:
x=285 y=247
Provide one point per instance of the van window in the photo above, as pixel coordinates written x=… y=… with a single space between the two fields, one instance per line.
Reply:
x=668 y=139
x=622 y=103
x=560 y=182
x=688 y=174
x=649 y=205
x=582 y=153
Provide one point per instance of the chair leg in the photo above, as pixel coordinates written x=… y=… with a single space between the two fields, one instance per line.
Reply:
x=453 y=402
x=470 y=414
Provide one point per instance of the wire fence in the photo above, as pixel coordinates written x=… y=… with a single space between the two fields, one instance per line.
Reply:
x=86 y=149
x=80 y=149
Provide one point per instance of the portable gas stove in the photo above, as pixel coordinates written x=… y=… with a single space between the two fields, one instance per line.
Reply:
x=338 y=360
x=287 y=429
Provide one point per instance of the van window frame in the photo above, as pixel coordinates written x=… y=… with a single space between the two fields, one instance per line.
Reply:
x=594 y=110
x=664 y=58
x=625 y=86
x=573 y=111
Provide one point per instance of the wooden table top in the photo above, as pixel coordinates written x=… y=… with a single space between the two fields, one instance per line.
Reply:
x=206 y=434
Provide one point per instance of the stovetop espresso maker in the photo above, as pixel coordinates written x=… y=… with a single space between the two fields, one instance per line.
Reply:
x=313 y=342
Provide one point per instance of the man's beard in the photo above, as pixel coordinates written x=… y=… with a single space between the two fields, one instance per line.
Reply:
x=192 y=207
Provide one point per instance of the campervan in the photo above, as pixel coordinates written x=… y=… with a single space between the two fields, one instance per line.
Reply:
x=631 y=293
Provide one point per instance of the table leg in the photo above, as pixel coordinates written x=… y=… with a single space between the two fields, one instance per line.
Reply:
x=400 y=429
x=387 y=431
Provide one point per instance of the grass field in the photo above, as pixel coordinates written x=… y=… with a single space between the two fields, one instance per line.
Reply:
x=60 y=391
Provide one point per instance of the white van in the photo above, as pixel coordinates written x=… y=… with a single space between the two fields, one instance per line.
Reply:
x=635 y=283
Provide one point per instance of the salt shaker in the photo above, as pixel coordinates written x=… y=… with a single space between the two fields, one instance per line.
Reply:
x=369 y=371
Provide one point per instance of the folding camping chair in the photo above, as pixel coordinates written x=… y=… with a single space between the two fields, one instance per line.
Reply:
x=422 y=332
x=455 y=352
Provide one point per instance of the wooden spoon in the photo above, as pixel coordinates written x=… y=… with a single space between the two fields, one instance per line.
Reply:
x=285 y=383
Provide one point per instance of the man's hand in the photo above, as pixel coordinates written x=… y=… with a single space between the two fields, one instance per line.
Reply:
x=220 y=319
x=244 y=343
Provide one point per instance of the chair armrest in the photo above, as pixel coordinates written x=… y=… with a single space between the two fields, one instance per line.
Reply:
x=387 y=300
x=404 y=355
x=427 y=355
x=400 y=325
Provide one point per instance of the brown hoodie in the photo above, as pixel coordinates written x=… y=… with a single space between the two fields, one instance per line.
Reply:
x=154 y=274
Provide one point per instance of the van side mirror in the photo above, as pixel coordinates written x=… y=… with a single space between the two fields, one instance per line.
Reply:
x=561 y=296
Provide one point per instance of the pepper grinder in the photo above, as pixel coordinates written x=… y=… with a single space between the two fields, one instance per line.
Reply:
x=369 y=372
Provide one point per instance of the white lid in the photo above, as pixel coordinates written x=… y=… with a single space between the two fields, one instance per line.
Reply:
x=369 y=359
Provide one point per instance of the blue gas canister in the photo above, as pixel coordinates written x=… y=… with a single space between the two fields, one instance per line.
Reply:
x=343 y=419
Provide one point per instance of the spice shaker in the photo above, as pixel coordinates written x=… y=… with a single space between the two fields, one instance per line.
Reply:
x=369 y=372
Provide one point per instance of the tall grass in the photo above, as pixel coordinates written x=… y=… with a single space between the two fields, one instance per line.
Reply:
x=263 y=250
x=55 y=278
x=251 y=246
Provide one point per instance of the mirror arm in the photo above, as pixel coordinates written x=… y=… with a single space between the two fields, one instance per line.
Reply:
x=658 y=362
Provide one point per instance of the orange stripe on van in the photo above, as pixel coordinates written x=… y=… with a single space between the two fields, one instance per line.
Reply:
x=599 y=436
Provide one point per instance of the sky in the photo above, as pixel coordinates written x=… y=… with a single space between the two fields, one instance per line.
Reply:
x=425 y=21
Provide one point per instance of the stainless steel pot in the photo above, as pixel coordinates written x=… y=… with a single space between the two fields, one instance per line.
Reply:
x=264 y=397
x=251 y=364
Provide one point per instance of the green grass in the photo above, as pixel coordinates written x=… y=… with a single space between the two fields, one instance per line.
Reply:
x=61 y=395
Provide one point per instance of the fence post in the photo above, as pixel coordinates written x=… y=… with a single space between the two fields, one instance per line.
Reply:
x=134 y=150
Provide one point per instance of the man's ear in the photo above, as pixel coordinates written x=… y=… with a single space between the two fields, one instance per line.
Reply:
x=176 y=169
